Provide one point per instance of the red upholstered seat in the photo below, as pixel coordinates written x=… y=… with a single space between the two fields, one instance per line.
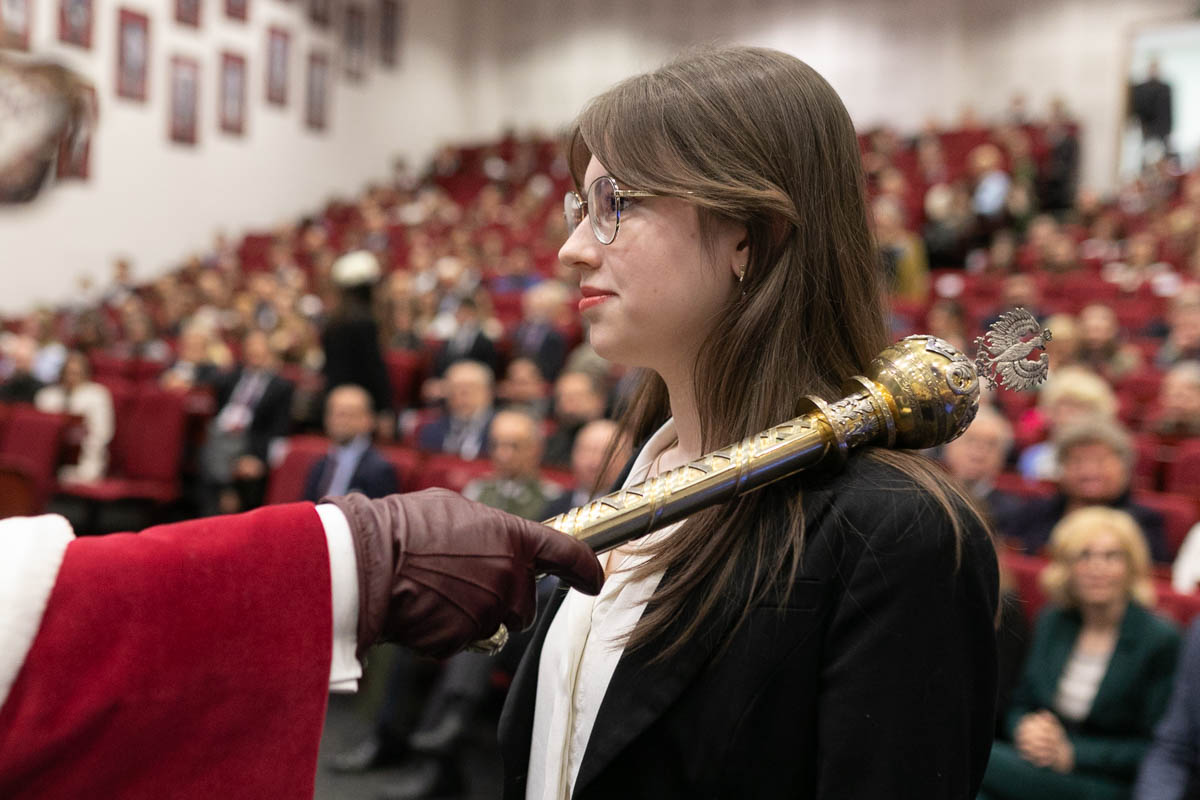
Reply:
x=450 y=472
x=406 y=371
x=32 y=444
x=408 y=465
x=146 y=449
x=1025 y=570
x=1179 y=511
x=287 y=480
x=1179 y=607
x=1183 y=474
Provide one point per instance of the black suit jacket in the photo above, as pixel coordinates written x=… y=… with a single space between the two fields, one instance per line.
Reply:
x=352 y=355
x=1150 y=102
x=481 y=349
x=272 y=417
x=542 y=344
x=432 y=436
x=373 y=476
x=876 y=678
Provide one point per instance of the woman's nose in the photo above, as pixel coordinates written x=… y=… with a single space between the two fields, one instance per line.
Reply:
x=581 y=250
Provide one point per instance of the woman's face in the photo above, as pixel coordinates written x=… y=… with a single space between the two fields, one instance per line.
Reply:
x=1100 y=572
x=652 y=296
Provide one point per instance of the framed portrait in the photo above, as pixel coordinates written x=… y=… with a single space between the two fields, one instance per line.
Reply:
x=389 y=32
x=233 y=93
x=16 y=19
x=279 y=45
x=237 y=9
x=75 y=22
x=185 y=100
x=187 y=12
x=75 y=148
x=354 y=42
x=316 y=107
x=320 y=12
x=133 y=54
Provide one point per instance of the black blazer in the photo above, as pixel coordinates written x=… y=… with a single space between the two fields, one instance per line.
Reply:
x=481 y=349
x=432 y=436
x=272 y=413
x=876 y=678
x=374 y=476
x=352 y=355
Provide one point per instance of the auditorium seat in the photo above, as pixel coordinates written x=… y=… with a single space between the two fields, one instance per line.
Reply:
x=32 y=445
x=406 y=371
x=146 y=451
x=1025 y=571
x=1180 y=607
x=1183 y=473
x=407 y=462
x=450 y=472
x=286 y=484
x=1180 y=512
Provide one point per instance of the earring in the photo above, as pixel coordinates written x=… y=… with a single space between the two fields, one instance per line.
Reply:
x=742 y=279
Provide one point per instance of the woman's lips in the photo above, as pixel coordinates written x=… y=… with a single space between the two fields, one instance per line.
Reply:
x=591 y=300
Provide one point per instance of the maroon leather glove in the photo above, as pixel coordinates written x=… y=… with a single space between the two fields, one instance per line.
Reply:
x=437 y=571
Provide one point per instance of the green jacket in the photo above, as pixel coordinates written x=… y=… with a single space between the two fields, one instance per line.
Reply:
x=1132 y=696
x=524 y=497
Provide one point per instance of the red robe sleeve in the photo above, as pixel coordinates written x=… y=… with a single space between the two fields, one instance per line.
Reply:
x=185 y=661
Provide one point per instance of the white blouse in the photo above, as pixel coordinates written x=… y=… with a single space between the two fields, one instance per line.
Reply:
x=581 y=651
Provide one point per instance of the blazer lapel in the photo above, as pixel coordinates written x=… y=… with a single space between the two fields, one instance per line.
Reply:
x=1120 y=665
x=641 y=690
x=516 y=720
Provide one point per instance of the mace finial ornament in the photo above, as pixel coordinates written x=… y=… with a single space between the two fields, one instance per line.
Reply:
x=1002 y=353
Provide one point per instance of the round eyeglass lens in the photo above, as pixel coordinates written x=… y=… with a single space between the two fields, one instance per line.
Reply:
x=603 y=210
x=572 y=211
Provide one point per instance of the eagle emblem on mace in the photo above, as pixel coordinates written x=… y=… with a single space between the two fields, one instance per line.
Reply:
x=1002 y=356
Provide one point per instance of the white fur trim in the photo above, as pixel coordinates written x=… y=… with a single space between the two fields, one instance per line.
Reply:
x=31 y=551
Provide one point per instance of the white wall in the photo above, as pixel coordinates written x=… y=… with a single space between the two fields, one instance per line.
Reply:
x=159 y=201
x=898 y=61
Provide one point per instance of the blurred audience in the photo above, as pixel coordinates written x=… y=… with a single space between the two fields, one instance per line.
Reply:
x=1171 y=768
x=76 y=393
x=587 y=466
x=19 y=385
x=352 y=464
x=978 y=457
x=516 y=446
x=1098 y=674
x=254 y=409
x=1096 y=459
x=1069 y=395
x=579 y=398
x=462 y=429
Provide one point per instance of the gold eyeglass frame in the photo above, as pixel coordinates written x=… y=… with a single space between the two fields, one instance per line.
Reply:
x=583 y=208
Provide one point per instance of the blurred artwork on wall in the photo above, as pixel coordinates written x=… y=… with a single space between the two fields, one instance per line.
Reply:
x=185 y=100
x=187 y=12
x=317 y=92
x=237 y=9
x=133 y=54
x=320 y=12
x=389 y=32
x=233 y=93
x=75 y=22
x=75 y=147
x=279 y=46
x=354 y=43
x=16 y=18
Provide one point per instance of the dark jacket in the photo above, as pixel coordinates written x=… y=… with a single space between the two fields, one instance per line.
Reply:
x=1171 y=768
x=1033 y=523
x=543 y=345
x=272 y=418
x=1114 y=736
x=373 y=476
x=1150 y=102
x=479 y=348
x=432 y=437
x=875 y=678
x=352 y=355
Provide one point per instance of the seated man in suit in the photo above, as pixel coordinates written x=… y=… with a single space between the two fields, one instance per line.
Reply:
x=255 y=408
x=977 y=457
x=536 y=337
x=587 y=462
x=352 y=464
x=579 y=398
x=1096 y=457
x=1171 y=768
x=516 y=452
x=463 y=428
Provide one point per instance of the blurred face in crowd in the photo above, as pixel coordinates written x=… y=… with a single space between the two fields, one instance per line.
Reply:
x=979 y=454
x=193 y=346
x=1180 y=393
x=1142 y=249
x=1092 y=472
x=347 y=414
x=1021 y=290
x=524 y=381
x=256 y=351
x=587 y=455
x=650 y=297
x=1100 y=573
x=468 y=390
x=576 y=399
x=75 y=371
x=1185 y=327
x=1098 y=325
x=516 y=445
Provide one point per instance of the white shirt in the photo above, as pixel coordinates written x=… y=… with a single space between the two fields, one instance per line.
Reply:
x=580 y=654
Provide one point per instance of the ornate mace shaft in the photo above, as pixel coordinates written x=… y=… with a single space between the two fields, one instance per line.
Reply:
x=920 y=392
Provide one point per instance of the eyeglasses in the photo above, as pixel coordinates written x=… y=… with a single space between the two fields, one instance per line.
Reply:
x=602 y=206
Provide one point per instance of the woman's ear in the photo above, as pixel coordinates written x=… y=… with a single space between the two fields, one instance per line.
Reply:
x=740 y=257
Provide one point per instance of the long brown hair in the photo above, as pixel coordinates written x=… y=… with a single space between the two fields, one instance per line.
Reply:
x=757 y=137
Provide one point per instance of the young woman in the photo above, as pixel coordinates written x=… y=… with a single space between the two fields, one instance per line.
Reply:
x=830 y=636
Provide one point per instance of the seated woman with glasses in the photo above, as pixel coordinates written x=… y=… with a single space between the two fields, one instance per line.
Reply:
x=827 y=636
x=1098 y=674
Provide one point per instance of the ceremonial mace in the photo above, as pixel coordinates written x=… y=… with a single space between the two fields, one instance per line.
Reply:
x=919 y=392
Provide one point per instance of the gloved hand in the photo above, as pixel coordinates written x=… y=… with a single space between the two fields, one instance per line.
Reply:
x=437 y=571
